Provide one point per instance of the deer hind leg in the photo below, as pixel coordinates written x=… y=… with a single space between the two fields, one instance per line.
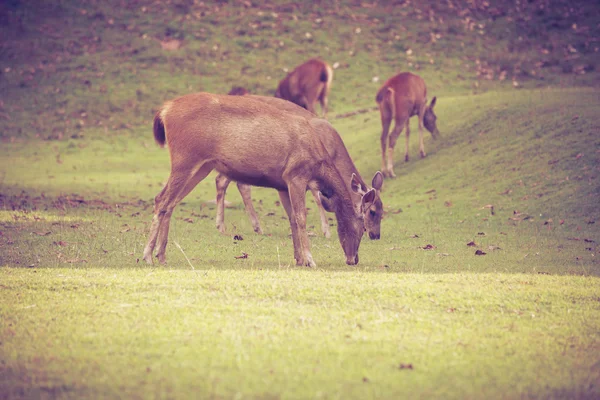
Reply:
x=180 y=183
x=297 y=191
x=323 y=100
x=222 y=182
x=324 y=220
x=393 y=138
x=386 y=121
x=284 y=196
x=245 y=191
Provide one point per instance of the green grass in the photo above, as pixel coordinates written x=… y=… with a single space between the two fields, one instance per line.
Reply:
x=82 y=317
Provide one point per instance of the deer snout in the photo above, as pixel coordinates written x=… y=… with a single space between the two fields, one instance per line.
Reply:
x=352 y=261
x=374 y=236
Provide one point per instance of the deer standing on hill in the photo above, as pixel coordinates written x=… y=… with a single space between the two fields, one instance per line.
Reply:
x=257 y=144
x=306 y=84
x=401 y=97
x=339 y=155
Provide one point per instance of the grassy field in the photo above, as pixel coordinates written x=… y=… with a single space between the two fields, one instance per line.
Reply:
x=515 y=174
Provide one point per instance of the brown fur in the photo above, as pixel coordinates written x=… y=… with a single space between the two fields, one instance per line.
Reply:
x=253 y=143
x=400 y=98
x=341 y=158
x=306 y=84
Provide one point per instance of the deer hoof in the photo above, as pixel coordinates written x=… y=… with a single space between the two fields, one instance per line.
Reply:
x=406 y=158
x=221 y=228
x=148 y=258
x=258 y=230
x=423 y=155
x=161 y=258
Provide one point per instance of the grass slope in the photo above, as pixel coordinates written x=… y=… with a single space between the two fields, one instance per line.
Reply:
x=81 y=317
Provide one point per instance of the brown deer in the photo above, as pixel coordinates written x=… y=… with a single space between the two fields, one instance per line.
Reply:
x=401 y=97
x=339 y=154
x=306 y=84
x=257 y=144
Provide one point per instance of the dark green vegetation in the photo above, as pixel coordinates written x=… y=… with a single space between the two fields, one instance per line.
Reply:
x=515 y=172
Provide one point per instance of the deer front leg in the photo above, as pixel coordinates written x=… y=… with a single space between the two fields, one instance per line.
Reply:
x=245 y=191
x=222 y=182
x=421 y=145
x=284 y=196
x=407 y=140
x=297 y=191
x=324 y=220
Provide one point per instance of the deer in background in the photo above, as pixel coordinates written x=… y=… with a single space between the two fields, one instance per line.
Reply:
x=257 y=144
x=339 y=154
x=401 y=97
x=306 y=84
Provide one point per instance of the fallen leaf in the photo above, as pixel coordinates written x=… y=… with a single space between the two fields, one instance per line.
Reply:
x=398 y=211
x=189 y=220
x=448 y=203
x=494 y=247
x=471 y=244
x=238 y=237
x=415 y=236
x=42 y=233
x=430 y=191
x=428 y=247
x=405 y=366
x=481 y=233
x=480 y=253
x=589 y=241
x=60 y=243
x=244 y=255
x=170 y=45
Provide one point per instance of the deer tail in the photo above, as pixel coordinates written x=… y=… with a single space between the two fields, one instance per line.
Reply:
x=159 y=129
x=385 y=99
x=326 y=77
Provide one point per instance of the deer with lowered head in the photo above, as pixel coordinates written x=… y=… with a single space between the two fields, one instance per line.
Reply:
x=257 y=144
x=401 y=97
x=339 y=154
x=306 y=84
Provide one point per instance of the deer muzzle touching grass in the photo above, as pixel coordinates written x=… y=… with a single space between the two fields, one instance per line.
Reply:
x=339 y=155
x=256 y=144
x=401 y=97
x=306 y=84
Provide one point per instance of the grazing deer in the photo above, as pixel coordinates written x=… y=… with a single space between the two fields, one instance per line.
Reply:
x=306 y=84
x=337 y=151
x=401 y=97
x=257 y=144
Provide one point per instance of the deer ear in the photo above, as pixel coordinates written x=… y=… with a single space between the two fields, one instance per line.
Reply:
x=356 y=185
x=377 y=182
x=326 y=202
x=367 y=200
x=432 y=104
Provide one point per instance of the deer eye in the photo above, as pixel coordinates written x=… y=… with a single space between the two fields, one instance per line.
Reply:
x=373 y=213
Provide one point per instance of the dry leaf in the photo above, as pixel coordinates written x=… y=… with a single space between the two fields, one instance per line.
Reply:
x=428 y=247
x=238 y=237
x=244 y=255
x=170 y=45
x=480 y=253
x=471 y=244
x=42 y=233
